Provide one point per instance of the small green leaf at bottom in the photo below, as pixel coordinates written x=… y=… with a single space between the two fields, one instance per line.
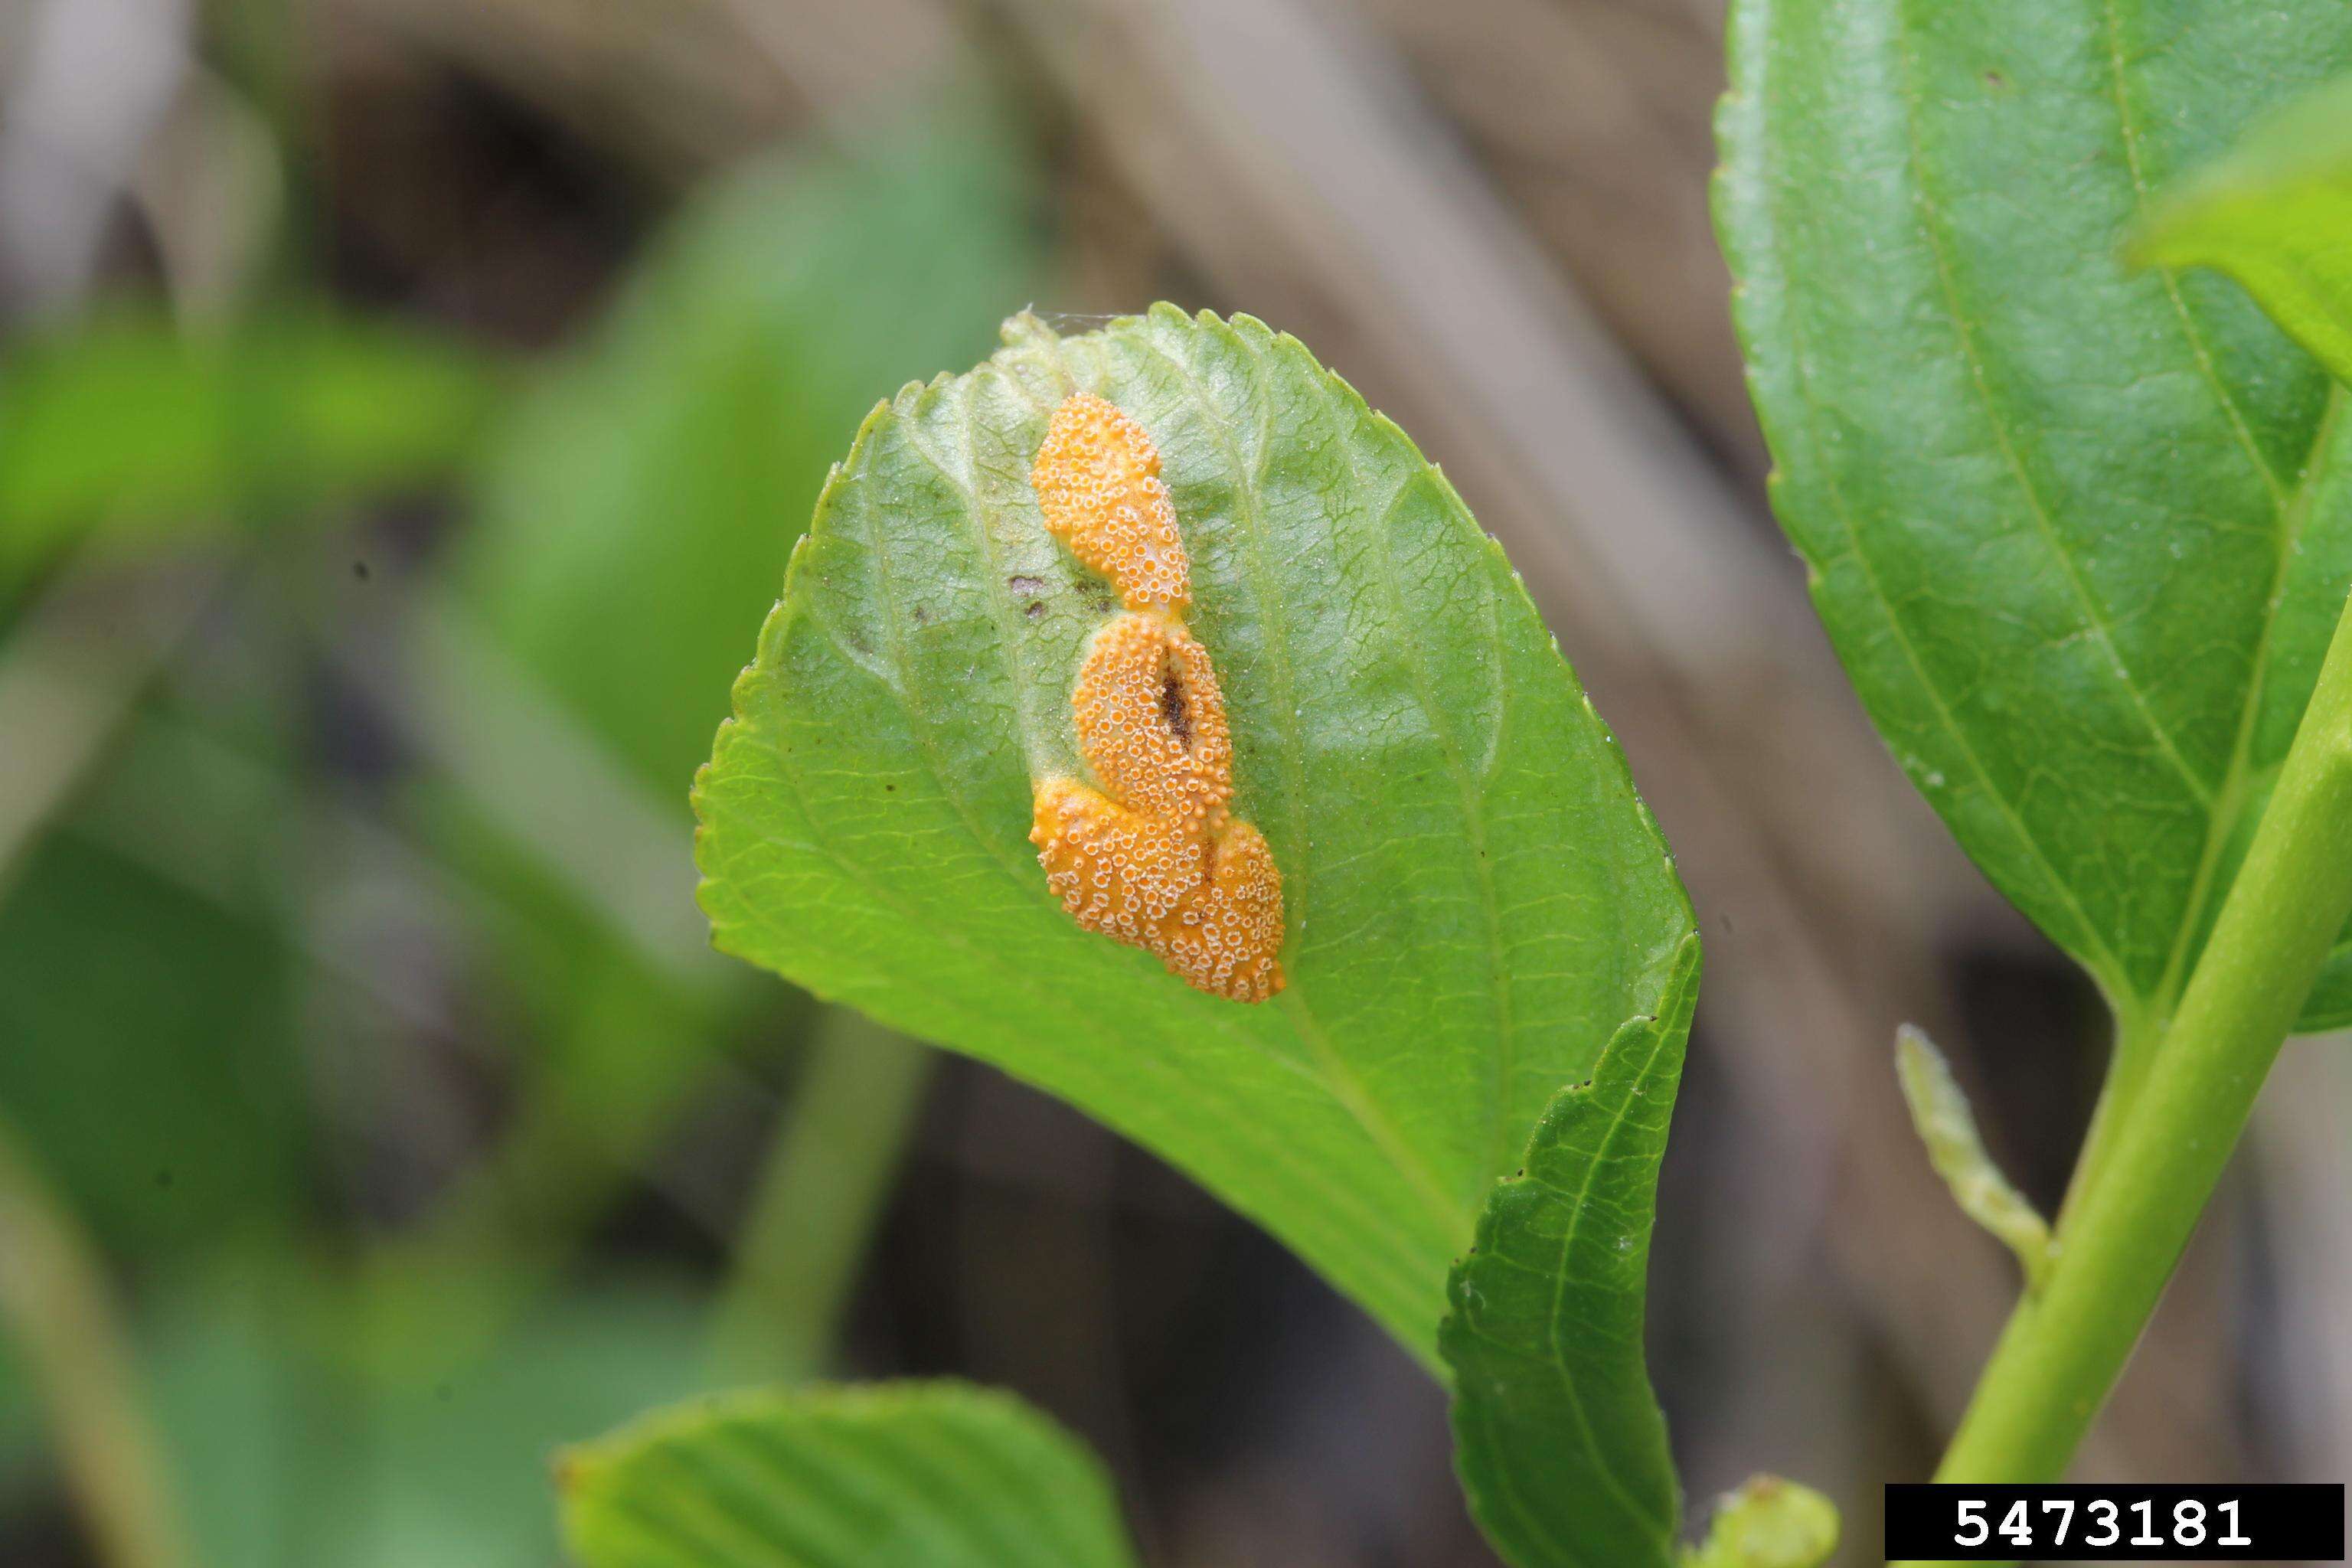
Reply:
x=936 y=1475
x=1558 y=1437
x=1768 y=1523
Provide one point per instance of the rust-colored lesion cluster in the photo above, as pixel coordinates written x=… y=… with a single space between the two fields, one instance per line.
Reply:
x=1155 y=857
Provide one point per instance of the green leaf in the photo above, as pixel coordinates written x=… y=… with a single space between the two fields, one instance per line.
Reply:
x=2079 y=534
x=131 y=430
x=916 y=1476
x=1475 y=896
x=2276 y=213
x=1558 y=1441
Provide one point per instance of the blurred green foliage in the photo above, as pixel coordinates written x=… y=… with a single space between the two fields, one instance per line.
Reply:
x=633 y=523
x=352 y=1371
x=158 y=1072
x=292 y=1456
x=637 y=515
x=131 y=429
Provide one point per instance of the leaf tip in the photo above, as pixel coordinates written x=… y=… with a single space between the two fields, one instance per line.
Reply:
x=1025 y=329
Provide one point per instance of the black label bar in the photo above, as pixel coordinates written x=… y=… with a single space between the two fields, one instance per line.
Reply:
x=2115 y=1524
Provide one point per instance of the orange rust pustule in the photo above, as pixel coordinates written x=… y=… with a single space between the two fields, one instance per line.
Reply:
x=1117 y=870
x=1155 y=858
x=1152 y=721
x=1226 y=940
x=1097 y=483
x=1209 y=906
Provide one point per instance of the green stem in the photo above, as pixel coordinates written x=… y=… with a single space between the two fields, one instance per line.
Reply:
x=835 y=1157
x=2157 y=1160
x=2136 y=1039
x=54 y=1303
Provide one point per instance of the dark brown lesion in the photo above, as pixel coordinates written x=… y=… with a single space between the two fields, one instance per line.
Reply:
x=1175 y=709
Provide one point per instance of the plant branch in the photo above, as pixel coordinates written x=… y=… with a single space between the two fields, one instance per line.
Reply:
x=54 y=1303
x=2160 y=1157
x=839 y=1146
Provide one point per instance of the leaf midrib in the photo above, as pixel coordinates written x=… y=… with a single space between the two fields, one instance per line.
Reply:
x=1341 y=1196
x=1341 y=1081
x=2099 y=953
x=2291 y=511
x=2237 y=785
x=1377 y=1222
x=1012 y=649
x=1931 y=227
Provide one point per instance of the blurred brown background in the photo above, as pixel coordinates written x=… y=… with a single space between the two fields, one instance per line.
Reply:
x=406 y=407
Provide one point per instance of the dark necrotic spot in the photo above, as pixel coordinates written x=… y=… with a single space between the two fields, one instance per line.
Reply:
x=1173 y=708
x=1025 y=585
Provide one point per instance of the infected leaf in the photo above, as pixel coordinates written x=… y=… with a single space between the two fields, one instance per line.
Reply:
x=1473 y=897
